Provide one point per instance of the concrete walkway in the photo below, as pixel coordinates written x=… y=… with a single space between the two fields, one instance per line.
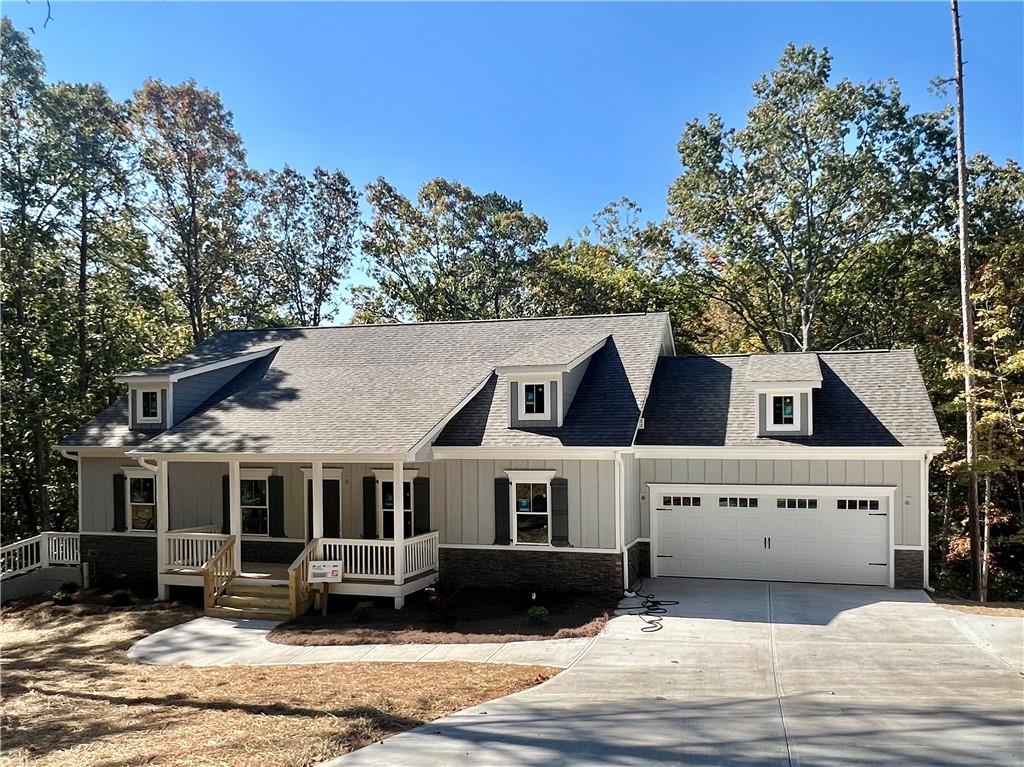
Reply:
x=216 y=642
x=747 y=673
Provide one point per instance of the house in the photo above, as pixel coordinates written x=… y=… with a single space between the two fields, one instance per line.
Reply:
x=563 y=453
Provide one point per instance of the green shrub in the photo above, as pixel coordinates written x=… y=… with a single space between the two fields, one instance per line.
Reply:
x=362 y=612
x=537 y=615
x=61 y=597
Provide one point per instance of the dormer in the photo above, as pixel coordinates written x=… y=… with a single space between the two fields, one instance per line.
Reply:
x=783 y=386
x=543 y=378
x=163 y=395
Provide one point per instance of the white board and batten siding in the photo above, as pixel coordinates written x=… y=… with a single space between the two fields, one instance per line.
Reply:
x=462 y=499
x=904 y=475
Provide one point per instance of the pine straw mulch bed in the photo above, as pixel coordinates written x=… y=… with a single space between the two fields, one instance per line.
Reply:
x=469 y=615
x=1012 y=609
x=71 y=696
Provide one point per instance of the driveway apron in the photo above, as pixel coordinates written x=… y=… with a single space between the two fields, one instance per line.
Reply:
x=747 y=673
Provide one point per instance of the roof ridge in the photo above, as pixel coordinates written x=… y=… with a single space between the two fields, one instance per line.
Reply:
x=443 y=322
x=780 y=354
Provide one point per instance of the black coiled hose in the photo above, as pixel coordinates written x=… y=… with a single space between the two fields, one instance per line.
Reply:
x=651 y=610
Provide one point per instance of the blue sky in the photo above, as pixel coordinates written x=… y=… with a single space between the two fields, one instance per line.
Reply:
x=563 y=106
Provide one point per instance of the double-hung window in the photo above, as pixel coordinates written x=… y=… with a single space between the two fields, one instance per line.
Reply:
x=534 y=401
x=254 y=494
x=141 y=501
x=387 y=502
x=784 y=412
x=149 y=406
x=531 y=507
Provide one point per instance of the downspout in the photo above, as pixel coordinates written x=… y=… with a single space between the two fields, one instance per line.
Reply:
x=620 y=533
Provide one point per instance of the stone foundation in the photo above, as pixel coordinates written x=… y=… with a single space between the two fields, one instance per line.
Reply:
x=909 y=569
x=515 y=568
x=639 y=557
x=121 y=561
x=282 y=552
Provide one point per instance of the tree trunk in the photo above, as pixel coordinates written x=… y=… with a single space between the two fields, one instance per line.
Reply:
x=986 y=529
x=83 y=303
x=967 y=314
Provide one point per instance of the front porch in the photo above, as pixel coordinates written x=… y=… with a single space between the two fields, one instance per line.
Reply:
x=240 y=585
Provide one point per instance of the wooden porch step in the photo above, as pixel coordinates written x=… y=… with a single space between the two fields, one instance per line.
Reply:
x=253 y=613
x=243 y=587
x=245 y=601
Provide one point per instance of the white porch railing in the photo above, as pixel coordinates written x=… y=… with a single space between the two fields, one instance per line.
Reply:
x=192 y=550
x=41 y=550
x=420 y=554
x=374 y=559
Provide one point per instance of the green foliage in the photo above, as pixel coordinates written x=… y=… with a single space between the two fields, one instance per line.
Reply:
x=362 y=612
x=779 y=211
x=537 y=615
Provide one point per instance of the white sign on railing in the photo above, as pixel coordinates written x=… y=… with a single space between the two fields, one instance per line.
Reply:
x=324 y=571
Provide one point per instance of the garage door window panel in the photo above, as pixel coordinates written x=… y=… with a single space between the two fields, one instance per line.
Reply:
x=737 y=502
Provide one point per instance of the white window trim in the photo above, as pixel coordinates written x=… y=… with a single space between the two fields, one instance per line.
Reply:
x=388 y=475
x=544 y=416
x=769 y=414
x=257 y=474
x=139 y=417
x=131 y=473
x=534 y=477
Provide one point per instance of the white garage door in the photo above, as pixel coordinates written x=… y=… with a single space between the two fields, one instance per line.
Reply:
x=795 y=536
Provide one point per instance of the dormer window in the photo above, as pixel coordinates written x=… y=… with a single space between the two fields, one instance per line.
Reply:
x=783 y=410
x=149 y=406
x=534 y=401
x=784 y=413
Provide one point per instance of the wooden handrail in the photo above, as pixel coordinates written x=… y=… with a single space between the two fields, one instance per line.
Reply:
x=298 y=578
x=218 y=572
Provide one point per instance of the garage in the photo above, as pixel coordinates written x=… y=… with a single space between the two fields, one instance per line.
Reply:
x=783 y=533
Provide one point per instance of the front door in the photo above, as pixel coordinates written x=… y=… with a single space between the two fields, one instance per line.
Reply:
x=332 y=508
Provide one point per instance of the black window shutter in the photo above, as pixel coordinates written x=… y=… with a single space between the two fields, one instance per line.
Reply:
x=309 y=509
x=120 y=521
x=369 y=507
x=421 y=505
x=275 y=500
x=502 y=531
x=559 y=511
x=225 y=522
x=332 y=508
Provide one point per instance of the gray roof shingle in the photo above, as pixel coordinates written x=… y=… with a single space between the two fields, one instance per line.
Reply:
x=382 y=388
x=778 y=368
x=554 y=350
x=866 y=399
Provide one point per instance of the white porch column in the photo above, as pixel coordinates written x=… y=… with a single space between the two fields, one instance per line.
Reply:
x=235 y=510
x=318 y=499
x=163 y=514
x=399 y=526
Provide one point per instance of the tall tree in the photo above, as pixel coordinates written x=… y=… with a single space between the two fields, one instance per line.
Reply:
x=451 y=254
x=306 y=229
x=967 y=313
x=780 y=211
x=619 y=264
x=196 y=188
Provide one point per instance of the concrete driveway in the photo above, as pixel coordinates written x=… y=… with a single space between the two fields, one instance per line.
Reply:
x=748 y=673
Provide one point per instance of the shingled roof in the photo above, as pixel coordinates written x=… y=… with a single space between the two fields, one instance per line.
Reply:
x=867 y=398
x=383 y=388
x=781 y=368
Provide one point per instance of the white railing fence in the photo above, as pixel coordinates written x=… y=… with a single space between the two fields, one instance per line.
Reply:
x=43 y=550
x=373 y=559
x=420 y=554
x=192 y=550
x=363 y=559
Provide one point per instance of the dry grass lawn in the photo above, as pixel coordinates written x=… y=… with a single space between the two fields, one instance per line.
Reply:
x=72 y=697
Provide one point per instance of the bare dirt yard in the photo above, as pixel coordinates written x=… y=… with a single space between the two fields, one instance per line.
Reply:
x=1013 y=609
x=470 y=615
x=71 y=696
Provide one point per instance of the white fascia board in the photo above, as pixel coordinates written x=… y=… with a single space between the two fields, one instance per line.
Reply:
x=129 y=378
x=786 y=387
x=426 y=439
x=831 y=491
x=786 y=454
x=519 y=453
x=267 y=457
